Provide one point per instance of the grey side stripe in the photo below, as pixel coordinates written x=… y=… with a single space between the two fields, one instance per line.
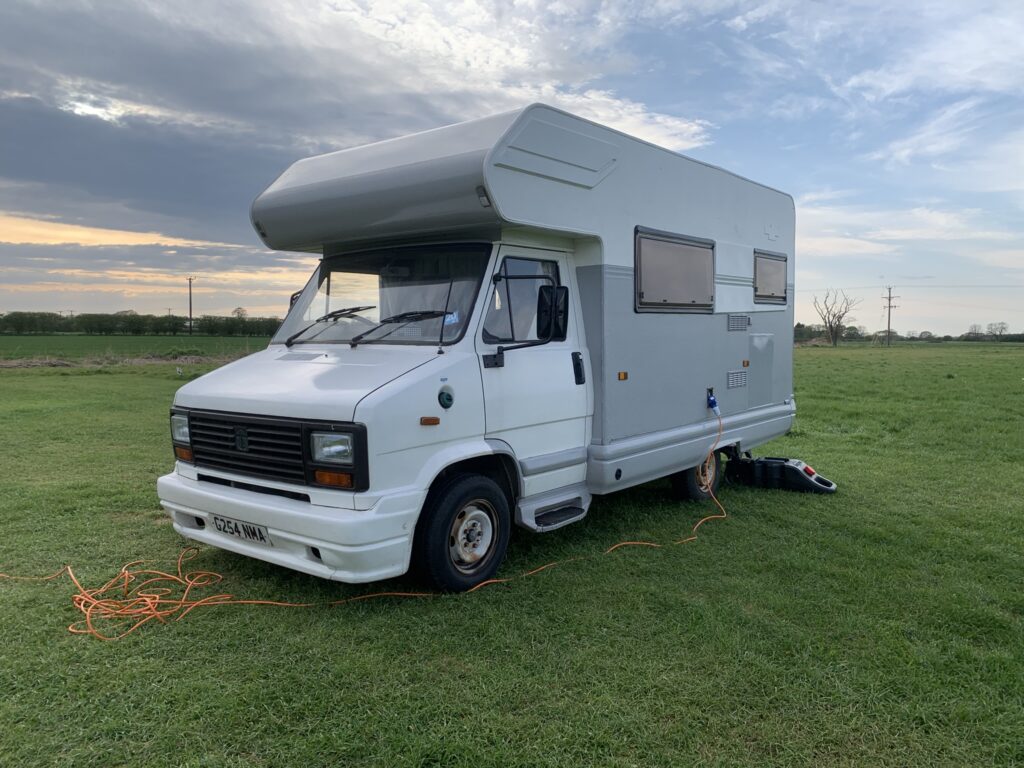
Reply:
x=549 y=462
x=734 y=280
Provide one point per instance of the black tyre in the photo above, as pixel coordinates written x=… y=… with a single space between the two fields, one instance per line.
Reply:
x=463 y=533
x=690 y=485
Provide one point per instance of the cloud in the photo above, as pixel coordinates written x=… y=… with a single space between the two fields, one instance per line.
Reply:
x=212 y=263
x=29 y=231
x=842 y=245
x=941 y=134
x=148 y=278
x=996 y=165
x=627 y=116
x=333 y=75
x=1009 y=258
x=760 y=13
x=173 y=118
x=833 y=231
x=133 y=174
x=822 y=195
x=930 y=224
x=958 y=48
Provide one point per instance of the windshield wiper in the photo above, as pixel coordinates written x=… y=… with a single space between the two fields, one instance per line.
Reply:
x=336 y=314
x=404 y=318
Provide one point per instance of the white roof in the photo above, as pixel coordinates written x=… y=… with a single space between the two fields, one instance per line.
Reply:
x=540 y=167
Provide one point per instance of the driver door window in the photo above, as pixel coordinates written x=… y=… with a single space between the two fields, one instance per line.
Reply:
x=512 y=308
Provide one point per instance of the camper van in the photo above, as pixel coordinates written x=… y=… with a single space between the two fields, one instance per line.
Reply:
x=509 y=316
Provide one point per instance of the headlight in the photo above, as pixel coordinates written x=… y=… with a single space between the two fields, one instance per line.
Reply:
x=179 y=428
x=332 y=448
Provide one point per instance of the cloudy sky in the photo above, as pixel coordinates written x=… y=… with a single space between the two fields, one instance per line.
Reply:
x=134 y=135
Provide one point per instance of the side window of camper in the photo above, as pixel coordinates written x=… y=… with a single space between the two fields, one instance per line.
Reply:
x=512 y=306
x=769 y=278
x=674 y=273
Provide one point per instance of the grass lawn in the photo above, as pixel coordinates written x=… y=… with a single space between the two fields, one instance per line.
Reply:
x=112 y=348
x=882 y=626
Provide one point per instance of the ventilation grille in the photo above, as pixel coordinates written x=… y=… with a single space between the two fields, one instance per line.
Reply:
x=739 y=322
x=267 y=448
x=734 y=379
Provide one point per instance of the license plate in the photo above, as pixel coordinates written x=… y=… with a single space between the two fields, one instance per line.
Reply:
x=242 y=530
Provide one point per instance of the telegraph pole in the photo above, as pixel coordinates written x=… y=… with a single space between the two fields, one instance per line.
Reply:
x=889 y=307
x=190 y=278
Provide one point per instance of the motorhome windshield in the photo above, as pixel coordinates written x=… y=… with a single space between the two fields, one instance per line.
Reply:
x=415 y=295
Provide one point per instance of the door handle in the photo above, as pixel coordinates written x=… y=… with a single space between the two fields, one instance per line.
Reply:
x=577 y=368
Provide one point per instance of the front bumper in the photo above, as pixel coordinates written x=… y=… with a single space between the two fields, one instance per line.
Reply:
x=353 y=546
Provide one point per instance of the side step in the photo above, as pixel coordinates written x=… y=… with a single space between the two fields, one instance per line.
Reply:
x=556 y=518
x=772 y=472
x=549 y=511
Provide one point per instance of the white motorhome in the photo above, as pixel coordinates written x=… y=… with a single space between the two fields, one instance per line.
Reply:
x=510 y=316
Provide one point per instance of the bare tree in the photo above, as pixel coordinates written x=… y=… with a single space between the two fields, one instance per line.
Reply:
x=240 y=313
x=997 y=330
x=834 y=310
x=973 y=332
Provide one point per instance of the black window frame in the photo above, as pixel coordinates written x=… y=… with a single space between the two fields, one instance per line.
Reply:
x=760 y=298
x=639 y=305
x=486 y=336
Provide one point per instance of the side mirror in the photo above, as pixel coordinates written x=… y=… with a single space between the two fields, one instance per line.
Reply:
x=293 y=299
x=552 y=312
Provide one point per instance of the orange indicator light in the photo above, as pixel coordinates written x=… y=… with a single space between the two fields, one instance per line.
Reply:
x=184 y=454
x=430 y=421
x=623 y=375
x=337 y=479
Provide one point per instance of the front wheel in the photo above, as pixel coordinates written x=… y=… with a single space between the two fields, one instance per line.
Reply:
x=463 y=533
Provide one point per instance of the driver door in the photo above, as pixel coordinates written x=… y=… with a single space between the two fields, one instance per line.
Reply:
x=537 y=400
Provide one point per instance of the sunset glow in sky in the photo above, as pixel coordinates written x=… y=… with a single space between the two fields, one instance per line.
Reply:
x=134 y=135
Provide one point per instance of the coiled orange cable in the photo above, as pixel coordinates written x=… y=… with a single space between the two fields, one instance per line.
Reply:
x=706 y=480
x=137 y=596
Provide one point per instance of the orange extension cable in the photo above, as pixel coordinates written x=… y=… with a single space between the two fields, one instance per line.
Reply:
x=137 y=596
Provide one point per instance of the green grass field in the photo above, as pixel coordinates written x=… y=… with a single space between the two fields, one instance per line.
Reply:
x=78 y=348
x=882 y=626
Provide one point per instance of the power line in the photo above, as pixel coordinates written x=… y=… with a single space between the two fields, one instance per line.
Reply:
x=889 y=307
x=915 y=287
x=190 y=278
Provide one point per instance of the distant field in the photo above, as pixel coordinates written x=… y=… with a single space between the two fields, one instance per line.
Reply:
x=72 y=348
x=881 y=626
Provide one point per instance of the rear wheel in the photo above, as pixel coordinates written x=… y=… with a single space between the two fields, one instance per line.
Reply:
x=463 y=533
x=696 y=484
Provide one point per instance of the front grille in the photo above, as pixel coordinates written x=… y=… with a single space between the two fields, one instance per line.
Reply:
x=267 y=448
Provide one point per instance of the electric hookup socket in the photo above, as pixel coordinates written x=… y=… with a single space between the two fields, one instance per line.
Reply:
x=713 y=402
